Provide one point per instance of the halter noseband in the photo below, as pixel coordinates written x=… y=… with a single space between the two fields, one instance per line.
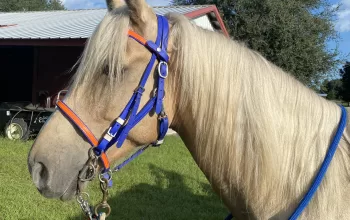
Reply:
x=117 y=133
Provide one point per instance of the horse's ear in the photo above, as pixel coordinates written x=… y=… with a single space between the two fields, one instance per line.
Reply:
x=140 y=12
x=112 y=4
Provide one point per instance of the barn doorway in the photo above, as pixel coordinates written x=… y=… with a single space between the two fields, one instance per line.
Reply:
x=16 y=73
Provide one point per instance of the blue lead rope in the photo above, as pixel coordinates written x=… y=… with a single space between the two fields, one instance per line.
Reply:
x=328 y=158
x=323 y=168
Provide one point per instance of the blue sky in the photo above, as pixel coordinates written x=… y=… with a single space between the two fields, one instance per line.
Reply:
x=343 y=27
x=88 y=4
x=342 y=24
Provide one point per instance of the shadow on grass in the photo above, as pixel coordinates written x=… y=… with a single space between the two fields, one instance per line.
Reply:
x=175 y=201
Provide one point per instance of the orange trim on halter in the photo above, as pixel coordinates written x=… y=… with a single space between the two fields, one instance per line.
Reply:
x=137 y=37
x=78 y=122
x=105 y=160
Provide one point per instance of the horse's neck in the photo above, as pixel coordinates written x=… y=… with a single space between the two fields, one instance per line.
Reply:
x=268 y=159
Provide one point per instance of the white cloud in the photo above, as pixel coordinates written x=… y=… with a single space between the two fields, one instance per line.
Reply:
x=89 y=4
x=343 y=23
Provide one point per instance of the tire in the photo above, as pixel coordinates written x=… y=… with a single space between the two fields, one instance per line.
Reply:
x=17 y=129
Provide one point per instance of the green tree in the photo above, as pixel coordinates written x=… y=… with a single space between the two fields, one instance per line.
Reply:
x=333 y=89
x=30 y=5
x=345 y=73
x=292 y=34
x=55 y=5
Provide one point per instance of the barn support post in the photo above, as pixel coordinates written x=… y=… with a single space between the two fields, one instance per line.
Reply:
x=35 y=75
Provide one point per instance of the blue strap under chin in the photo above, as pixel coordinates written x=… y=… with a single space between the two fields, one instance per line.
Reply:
x=118 y=132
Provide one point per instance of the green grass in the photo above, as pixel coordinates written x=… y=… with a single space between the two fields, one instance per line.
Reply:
x=163 y=183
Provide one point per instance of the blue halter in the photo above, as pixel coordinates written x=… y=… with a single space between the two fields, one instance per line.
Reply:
x=118 y=132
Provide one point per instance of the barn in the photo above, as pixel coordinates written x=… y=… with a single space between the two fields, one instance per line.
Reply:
x=39 y=49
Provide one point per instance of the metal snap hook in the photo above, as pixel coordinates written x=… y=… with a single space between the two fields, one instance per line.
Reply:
x=103 y=206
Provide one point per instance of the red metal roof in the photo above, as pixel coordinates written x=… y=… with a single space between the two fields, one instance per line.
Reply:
x=206 y=10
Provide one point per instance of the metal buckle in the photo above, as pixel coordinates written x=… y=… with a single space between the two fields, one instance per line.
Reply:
x=159 y=142
x=108 y=136
x=166 y=72
x=138 y=88
x=155 y=92
x=109 y=133
x=162 y=114
x=59 y=94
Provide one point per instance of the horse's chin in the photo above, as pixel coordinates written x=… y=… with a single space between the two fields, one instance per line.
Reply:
x=72 y=190
x=70 y=193
x=68 y=196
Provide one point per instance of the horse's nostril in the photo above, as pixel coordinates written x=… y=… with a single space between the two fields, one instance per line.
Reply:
x=40 y=175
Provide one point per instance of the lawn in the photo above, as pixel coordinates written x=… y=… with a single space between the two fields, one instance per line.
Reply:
x=163 y=183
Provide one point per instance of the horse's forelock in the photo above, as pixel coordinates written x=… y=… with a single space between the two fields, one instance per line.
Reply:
x=101 y=64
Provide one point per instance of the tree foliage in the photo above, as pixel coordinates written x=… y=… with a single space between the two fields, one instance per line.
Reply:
x=292 y=34
x=333 y=89
x=30 y=5
x=345 y=73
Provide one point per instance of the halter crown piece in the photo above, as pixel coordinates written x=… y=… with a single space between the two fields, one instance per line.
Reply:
x=117 y=133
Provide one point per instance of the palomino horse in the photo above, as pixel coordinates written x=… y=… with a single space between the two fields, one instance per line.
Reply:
x=257 y=133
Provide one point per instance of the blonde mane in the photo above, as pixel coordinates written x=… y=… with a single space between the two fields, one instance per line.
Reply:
x=243 y=109
x=273 y=130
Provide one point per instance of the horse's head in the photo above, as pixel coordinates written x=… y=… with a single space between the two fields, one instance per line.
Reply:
x=109 y=74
